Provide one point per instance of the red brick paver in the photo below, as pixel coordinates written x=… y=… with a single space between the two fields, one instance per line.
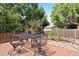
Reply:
x=5 y=47
x=62 y=51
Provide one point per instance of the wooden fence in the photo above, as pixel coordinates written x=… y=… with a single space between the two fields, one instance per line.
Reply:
x=6 y=37
x=70 y=34
x=7 y=32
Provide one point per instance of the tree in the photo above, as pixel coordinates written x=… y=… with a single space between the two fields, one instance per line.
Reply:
x=65 y=14
x=44 y=22
x=12 y=16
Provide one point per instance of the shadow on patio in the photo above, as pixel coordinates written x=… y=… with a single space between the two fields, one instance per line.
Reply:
x=53 y=51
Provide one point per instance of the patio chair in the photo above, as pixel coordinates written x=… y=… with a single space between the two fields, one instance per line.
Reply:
x=41 y=47
x=16 y=47
x=38 y=44
x=46 y=50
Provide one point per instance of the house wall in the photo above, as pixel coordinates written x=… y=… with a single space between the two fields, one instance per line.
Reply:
x=77 y=27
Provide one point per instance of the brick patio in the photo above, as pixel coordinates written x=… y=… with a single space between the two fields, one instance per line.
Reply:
x=5 y=47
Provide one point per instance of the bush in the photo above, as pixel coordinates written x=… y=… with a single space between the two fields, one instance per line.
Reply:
x=56 y=36
x=52 y=35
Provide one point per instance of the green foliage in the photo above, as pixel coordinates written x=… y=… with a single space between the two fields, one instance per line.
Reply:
x=34 y=27
x=63 y=12
x=10 y=14
x=44 y=22
x=52 y=34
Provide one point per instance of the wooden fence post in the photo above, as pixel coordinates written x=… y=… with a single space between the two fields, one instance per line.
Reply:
x=75 y=33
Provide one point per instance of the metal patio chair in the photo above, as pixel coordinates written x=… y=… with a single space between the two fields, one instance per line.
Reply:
x=38 y=44
x=16 y=47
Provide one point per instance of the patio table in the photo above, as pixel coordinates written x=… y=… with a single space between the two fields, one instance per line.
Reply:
x=27 y=36
x=33 y=38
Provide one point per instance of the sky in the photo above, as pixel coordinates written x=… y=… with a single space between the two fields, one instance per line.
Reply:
x=48 y=7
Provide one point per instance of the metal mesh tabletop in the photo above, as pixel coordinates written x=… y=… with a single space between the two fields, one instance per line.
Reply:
x=26 y=36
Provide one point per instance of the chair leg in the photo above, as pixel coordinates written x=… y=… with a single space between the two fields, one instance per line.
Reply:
x=35 y=52
x=42 y=52
x=11 y=52
x=39 y=52
x=19 y=51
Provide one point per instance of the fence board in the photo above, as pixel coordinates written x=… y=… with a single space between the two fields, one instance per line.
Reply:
x=69 y=33
x=6 y=37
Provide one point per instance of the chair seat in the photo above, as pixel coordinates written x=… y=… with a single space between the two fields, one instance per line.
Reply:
x=16 y=43
x=36 y=46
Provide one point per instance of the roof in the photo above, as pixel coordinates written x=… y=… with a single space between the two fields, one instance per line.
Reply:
x=49 y=26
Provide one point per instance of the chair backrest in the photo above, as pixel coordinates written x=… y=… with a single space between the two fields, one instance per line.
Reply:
x=40 y=42
x=43 y=40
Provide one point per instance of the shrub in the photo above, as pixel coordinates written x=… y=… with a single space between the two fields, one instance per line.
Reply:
x=52 y=35
x=56 y=36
